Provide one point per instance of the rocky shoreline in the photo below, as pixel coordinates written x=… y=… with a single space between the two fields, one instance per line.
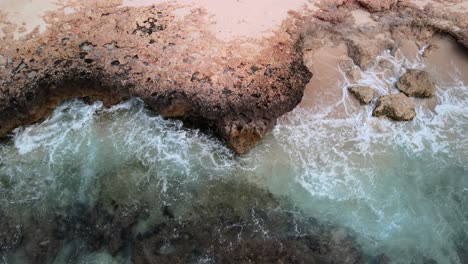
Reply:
x=384 y=26
x=181 y=70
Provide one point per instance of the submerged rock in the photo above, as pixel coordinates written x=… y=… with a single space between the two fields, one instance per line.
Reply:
x=416 y=83
x=250 y=228
x=10 y=233
x=364 y=94
x=395 y=106
x=225 y=222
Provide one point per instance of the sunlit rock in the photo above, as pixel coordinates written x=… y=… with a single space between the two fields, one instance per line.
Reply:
x=364 y=94
x=395 y=106
x=416 y=83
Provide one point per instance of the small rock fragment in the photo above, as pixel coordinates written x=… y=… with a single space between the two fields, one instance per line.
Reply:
x=364 y=94
x=395 y=106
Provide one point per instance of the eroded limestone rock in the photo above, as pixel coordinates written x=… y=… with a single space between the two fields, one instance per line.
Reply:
x=178 y=67
x=416 y=83
x=397 y=107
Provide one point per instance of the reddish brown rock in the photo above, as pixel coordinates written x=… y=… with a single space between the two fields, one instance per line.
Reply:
x=176 y=66
x=364 y=94
x=397 y=107
x=416 y=83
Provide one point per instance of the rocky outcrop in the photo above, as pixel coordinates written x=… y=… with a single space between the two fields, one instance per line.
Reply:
x=416 y=83
x=364 y=94
x=397 y=107
x=180 y=69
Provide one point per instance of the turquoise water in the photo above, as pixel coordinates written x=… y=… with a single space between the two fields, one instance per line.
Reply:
x=401 y=188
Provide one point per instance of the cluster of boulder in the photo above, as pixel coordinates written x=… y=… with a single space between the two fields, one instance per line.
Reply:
x=399 y=107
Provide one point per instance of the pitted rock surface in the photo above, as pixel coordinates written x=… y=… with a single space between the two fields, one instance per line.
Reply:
x=397 y=107
x=417 y=83
x=178 y=68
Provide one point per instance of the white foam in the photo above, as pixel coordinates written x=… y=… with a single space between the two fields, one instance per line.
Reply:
x=395 y=184
x=372 y=174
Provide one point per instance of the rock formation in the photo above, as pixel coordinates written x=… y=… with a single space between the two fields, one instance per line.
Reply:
x=182 y=70
x=397 y=107
x=176 y=66
x=416 y=83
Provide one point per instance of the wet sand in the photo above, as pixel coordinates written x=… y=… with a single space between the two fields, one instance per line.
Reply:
x=327 y=92
x=325 y=89
x=446 y=58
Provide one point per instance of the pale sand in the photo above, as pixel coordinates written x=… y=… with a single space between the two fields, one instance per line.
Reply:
x=229 y=19
x=325 y=88
x=26 y=15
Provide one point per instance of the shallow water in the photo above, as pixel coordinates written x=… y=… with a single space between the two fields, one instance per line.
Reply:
x=402 y=188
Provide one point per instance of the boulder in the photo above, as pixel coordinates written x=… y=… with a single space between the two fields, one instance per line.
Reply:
x=416 y=83
x=395 y=106
x=364 y=94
